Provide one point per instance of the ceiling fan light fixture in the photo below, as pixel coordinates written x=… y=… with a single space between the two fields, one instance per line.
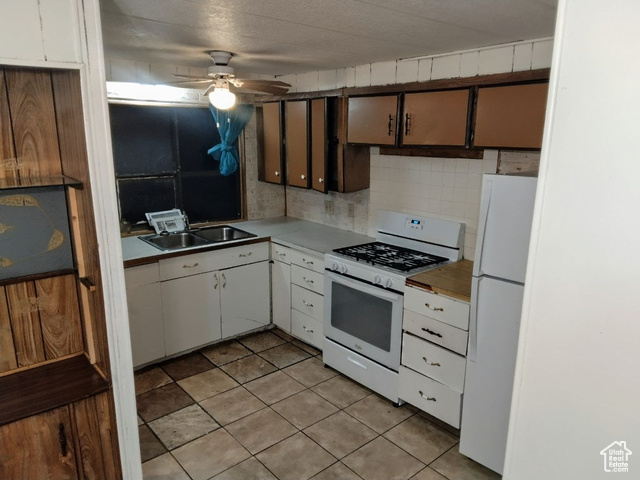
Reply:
x=222 y=98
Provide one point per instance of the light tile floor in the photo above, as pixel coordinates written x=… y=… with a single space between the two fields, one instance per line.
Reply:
x=264 y=407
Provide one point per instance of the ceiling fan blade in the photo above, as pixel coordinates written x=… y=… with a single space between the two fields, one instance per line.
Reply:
x=197 y=77
x=260 y=88
x=257 y=81
x=188 y=82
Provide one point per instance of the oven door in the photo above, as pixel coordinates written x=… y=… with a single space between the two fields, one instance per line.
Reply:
x=364 y=318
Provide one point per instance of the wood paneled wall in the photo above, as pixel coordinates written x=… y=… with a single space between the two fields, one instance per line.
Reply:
x=42 y=134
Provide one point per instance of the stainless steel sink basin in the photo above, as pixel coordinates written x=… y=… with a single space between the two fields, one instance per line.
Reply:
x=222 y=233
x=174 y=241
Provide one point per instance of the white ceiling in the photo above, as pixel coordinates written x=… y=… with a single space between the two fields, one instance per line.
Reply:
x=278 y=37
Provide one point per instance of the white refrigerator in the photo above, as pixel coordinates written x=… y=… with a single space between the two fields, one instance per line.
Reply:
x=504 y=228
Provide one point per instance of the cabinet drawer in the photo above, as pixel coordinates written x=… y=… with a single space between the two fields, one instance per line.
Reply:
x=433 y=361
x=436 y=306
x=437 y=332
x=186 y=265
x=308 y=302
x=142 y=275
x=236 y=256
x=312 y=262
x=306 y=328
x=434 y=398
x=308 y=279
x=280 y=253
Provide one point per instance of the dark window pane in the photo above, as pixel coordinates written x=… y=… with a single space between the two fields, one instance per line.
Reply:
x=211 y=196
x=197 y=133
x=141 y=195
x=143 y=140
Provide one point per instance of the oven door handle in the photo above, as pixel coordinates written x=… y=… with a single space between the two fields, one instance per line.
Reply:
x=363 y=287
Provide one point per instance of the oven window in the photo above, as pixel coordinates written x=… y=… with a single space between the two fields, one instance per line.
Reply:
x=361 y=315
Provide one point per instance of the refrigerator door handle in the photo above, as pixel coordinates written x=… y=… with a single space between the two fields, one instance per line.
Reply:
x=473 y=320
x=482 y=226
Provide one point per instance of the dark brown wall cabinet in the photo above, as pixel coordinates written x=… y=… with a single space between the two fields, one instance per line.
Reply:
x=510 y=116
x=436 y=118
x=373 y=120
x=297 y=143
x=270 y=138
x=316 y=155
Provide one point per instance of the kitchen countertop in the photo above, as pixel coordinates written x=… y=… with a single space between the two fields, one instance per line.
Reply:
x=452 y=280
x=301 y=234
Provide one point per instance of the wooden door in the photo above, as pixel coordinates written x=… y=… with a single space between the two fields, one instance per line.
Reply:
x=297 y=141
x=40 y=446
x=191 y=311
x=245 y=298
x=319 y=145
x=373 y=120
x=272 y=142
x=511 y=116
x=436 y=118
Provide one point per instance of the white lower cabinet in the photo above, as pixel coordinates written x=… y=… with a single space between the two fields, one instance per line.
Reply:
x=144 y=301
x=281 y=287
x=244 y=298
x=434 y=344
x=181 y=303
x=191 y=311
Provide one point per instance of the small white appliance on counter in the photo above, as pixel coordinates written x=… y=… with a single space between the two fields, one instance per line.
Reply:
x=364 y=295
x=506 y=214
x=170 y=221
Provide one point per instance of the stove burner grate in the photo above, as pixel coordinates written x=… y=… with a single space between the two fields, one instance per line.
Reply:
x=391 y=256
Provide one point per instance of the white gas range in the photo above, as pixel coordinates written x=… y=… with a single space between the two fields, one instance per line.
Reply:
x=364 y=294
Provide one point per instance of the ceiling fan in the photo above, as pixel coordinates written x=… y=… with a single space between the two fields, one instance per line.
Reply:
x=224 y=82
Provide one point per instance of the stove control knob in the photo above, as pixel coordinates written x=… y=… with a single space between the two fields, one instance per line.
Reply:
x=388 y=283
x=334 y=266
x=377 y=280
x=343 y=269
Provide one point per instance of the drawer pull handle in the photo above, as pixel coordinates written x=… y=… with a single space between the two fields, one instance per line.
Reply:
x=430 y=399
x=390 y=125
x=307 y=280
x=308 y=330
x=355 y=362
x=435 y=364
x=308 y=262
x=281 y=254
x=190 y=266
x=435 y=309
x=307 y=304
x=224 y=283
x=245 y=254
x=215 y=275
x=430 y=332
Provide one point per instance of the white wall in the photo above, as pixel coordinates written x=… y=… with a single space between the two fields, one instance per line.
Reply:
x=577 y=388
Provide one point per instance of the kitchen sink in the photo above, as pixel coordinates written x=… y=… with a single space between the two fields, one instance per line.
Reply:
x=174 y=241
x=222 y=233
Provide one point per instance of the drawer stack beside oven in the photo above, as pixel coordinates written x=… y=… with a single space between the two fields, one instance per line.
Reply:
x=307 y=297
x=434 y=346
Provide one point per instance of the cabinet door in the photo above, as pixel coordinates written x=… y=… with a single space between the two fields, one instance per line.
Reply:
x=244 y=298
x=38 y=447
x=191 y=311
x=145 y=323
x=511 y=116
x=319 y=140
x=281 y=295
x=373 y=120
x=272 y=142
x=436 y=118
x=297 y=144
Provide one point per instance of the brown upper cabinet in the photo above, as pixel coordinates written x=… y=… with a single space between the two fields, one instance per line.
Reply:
x=436 y=118
x=270 y=132
x=316 y=154
x=373 y=120
x=510 y=116
x=297 y=143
